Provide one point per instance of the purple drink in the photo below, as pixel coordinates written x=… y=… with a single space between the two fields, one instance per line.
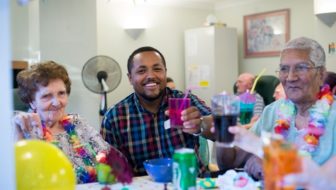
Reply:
x=222 y=123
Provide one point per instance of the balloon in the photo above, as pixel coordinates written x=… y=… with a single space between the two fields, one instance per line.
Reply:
x=42 y=166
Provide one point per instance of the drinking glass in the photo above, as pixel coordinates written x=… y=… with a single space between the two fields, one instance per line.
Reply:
x=225 y=110
x=246 y=113
x=247 y=102
x=176 y=106
x=280 y=158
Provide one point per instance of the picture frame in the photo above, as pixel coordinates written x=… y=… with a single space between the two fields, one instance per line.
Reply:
x=265 y=34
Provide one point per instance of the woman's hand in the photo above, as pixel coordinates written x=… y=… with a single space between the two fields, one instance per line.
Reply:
x=247 y=140
x=27 y=125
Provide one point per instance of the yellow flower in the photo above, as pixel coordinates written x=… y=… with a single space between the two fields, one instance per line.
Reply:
x=311 y=139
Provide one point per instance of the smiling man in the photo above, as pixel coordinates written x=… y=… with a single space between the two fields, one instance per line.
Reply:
x=135 y=125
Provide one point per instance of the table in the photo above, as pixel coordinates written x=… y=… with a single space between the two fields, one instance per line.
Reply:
x=138 y=183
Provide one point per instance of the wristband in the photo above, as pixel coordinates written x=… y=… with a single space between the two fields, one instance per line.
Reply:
x=202 y=127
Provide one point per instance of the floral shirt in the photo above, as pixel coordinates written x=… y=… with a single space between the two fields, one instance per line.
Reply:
x=89 y=137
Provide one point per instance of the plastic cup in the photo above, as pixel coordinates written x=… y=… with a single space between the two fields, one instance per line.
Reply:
x=280 y=159
x=246 y=113
x=176 y=106
x=225 y=111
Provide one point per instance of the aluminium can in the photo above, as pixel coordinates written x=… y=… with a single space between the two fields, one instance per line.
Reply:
x=184 y=169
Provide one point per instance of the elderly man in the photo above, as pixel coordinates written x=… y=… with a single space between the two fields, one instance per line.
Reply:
x=330 y=79
x=279 y=92
x=171 y=83
x=306 y=118
x=136 y=125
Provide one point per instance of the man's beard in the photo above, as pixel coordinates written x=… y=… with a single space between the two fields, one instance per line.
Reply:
x=150 y=99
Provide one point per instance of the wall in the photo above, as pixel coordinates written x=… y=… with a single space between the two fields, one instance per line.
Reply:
x=303 y=22
x=68 y=36
x=19 y=22
x=165 y=28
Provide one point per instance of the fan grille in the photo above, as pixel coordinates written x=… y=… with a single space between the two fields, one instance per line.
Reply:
x=97 y=64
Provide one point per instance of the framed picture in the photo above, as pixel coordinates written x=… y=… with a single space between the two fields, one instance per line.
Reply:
x=266 y=33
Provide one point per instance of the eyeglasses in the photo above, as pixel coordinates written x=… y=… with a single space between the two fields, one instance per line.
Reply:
x=299 y=69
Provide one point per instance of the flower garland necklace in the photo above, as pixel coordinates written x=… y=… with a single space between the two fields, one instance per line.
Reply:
x=318 y=114
x=112 y=163
x=87 y=174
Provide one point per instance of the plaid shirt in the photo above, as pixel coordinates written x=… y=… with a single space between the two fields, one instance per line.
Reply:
x=140 y=135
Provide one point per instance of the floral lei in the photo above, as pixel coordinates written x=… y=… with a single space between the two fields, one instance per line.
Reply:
x=318 y=119
x=114 y=159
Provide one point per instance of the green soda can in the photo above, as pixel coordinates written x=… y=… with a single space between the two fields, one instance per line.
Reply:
x=184 y=169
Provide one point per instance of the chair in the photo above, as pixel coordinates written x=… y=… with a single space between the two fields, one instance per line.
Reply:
x=18 y=104
x=265 y=87
x=204 y=150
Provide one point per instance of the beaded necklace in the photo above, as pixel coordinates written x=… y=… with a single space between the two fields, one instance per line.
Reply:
x=318 y=114
x=85 y=174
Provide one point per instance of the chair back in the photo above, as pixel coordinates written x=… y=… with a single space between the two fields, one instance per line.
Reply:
x=265 y=87
x=18 y=104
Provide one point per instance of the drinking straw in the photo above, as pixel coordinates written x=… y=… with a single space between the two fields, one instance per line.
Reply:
x=186 y=93
x=256 y=80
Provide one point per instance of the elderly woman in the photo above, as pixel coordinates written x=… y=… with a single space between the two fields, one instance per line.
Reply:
x=46 y=87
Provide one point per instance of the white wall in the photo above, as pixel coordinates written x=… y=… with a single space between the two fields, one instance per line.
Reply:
x=165 y=30
x=68 y=36
x=303 y=22
x=19 y=30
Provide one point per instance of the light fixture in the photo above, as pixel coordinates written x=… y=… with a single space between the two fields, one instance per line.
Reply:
x=134 y=32
x=325 y=10
x=136 y=22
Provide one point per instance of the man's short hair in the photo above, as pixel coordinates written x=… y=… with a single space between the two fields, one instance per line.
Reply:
x=140 y=50
x=169 y=79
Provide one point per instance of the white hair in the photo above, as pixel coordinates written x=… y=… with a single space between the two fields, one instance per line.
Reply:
x=316 y=51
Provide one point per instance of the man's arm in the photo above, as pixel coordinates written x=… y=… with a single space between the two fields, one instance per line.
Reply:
x=107 y=130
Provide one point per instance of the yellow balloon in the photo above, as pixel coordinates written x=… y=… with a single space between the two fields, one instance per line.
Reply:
x=42 y=166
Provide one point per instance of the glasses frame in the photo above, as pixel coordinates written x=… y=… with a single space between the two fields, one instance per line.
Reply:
x=298 y=69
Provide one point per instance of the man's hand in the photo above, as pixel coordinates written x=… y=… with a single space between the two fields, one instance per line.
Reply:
x=191 y=120
x=247 y=140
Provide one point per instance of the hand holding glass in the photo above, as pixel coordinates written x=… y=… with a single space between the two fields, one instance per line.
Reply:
x=176 y=106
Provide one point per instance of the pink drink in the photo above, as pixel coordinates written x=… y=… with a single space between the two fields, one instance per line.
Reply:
x=176 y=106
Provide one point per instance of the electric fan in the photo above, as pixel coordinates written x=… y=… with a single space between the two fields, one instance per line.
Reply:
x=101 y=74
